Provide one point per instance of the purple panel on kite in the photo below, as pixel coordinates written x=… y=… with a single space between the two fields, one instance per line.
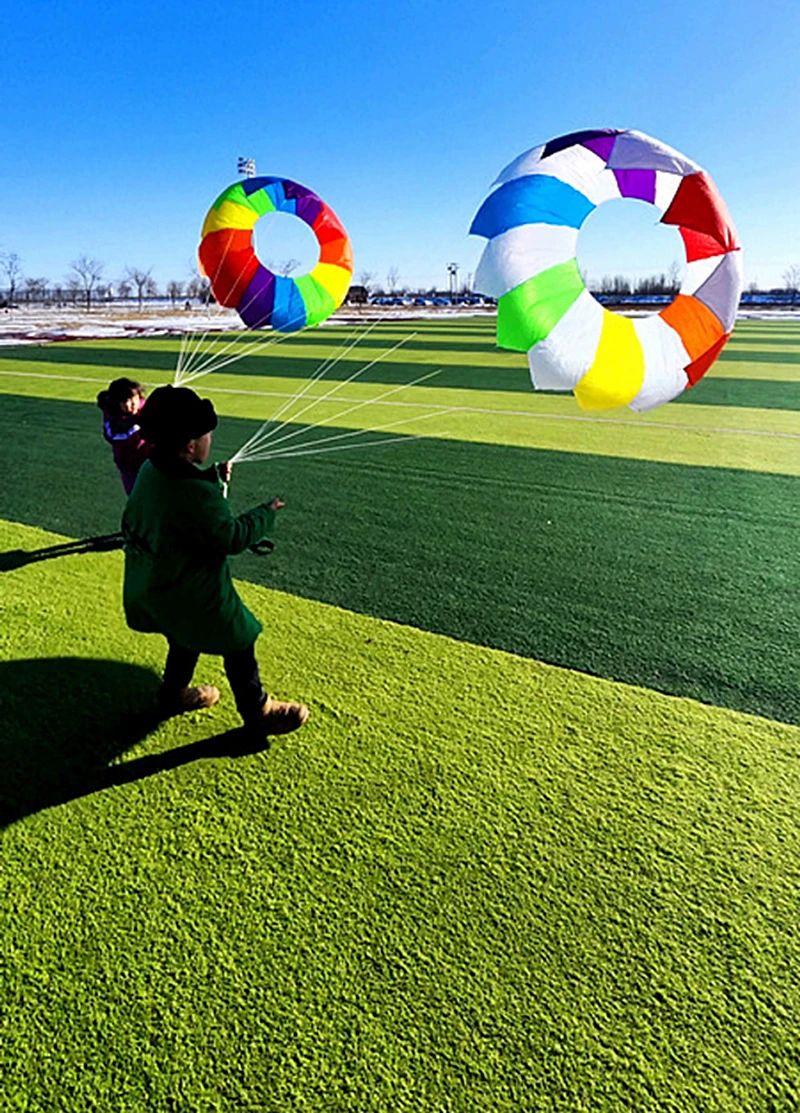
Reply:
x=296 y=191
x=257 y=302
x=637 y=183
x=721 y=290
x=576 y=137
x=602 y=146
x=309 y=208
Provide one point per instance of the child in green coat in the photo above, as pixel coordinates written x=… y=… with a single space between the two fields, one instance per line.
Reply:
x=179 y=531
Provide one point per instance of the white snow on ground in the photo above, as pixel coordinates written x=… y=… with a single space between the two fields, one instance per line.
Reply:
x=37 y=326
x=41 y=326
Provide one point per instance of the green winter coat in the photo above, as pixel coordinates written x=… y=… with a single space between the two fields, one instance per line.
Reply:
x=179 y=532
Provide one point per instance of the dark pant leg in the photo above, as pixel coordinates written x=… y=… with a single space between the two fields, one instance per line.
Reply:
x=179 y=668
x=242 y=672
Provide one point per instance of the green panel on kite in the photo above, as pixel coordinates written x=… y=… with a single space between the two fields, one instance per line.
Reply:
x=233 y=193
x=261 y=202
x=318 y=302
x=529 y=312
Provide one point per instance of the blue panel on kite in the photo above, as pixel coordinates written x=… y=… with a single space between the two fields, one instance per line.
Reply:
x=533 y=199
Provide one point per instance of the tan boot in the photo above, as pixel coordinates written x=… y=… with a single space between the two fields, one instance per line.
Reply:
x=277 y=717
x=204 y=695
x=189 y=699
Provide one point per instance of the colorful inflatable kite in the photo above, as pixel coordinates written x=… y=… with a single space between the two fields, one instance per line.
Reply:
x=532 y=220
x=240 y=281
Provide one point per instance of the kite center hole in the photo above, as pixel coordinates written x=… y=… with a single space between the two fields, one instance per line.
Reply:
x=285 y=244
x=623 y=249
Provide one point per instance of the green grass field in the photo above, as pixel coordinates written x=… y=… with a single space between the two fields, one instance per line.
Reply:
x=538 y=847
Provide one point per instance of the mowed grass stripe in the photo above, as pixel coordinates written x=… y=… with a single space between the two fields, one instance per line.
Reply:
x=469 y=882
x=715 y=436
x=744 y=393
x=419 y=344
x=672 y=577
x=757 y=372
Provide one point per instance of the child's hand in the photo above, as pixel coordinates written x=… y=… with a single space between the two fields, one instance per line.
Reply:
x=224 y=471
x=277 y=503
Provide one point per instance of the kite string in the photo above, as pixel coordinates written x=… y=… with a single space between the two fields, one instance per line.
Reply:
x=310 y=448
x=247 y=350
x=339 y=447
x=210 y=364
x=269 y=434
x=359 y=405
x=207 y=358
x=205 y=369
x=299 y=449
x=265 y=432
x=203 y=335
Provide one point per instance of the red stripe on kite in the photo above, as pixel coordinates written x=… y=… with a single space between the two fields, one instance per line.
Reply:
x=698 y=367
x=697 y=207
x=327 y=226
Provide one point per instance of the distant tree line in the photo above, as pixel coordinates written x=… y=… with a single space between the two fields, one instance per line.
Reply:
x=86 y=285
x=668 y=284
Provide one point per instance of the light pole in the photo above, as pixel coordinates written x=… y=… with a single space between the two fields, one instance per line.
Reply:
x=246 y=166
x=452 y=270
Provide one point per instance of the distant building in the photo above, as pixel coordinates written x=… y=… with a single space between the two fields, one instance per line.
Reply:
x=357 y=295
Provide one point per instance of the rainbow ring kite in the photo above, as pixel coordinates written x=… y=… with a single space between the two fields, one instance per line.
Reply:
x=238 y=280
x=532 y=221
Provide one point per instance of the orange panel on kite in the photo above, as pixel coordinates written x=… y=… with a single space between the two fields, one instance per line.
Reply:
x=698 y=368
x=338 y=252
x=327 y=227
x=697 y=326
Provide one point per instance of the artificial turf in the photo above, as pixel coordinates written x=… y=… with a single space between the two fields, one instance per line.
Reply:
x=472 y=882
x=674 y=577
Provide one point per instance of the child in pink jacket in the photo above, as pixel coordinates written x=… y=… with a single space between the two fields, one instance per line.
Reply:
x=121 y=405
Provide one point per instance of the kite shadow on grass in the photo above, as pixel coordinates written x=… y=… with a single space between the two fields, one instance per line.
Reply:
x=65 y=720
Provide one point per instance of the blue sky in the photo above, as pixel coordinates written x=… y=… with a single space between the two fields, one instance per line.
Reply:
x=121 y=122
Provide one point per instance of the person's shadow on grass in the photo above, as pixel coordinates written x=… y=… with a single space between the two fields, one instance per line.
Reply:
x=65 y=719
x=19 y=558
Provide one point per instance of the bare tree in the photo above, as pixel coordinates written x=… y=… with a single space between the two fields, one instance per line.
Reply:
x=86 y=273
x=35 y=289
x=124 y=288
x=791 y=280
x=11 y=267
x=392 y=278
x=287 y=266
x=674 y=276
x=174 y=291
x=366 y=279
x=143 y=281
x=199 y=287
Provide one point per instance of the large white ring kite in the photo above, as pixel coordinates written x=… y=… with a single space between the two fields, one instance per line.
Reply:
x=532 y=222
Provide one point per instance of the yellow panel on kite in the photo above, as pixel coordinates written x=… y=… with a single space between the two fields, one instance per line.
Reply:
x=336 y=280
x=617 y=374
x=229 y=215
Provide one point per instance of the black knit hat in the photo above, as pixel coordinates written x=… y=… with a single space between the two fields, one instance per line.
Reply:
x=174 y=415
